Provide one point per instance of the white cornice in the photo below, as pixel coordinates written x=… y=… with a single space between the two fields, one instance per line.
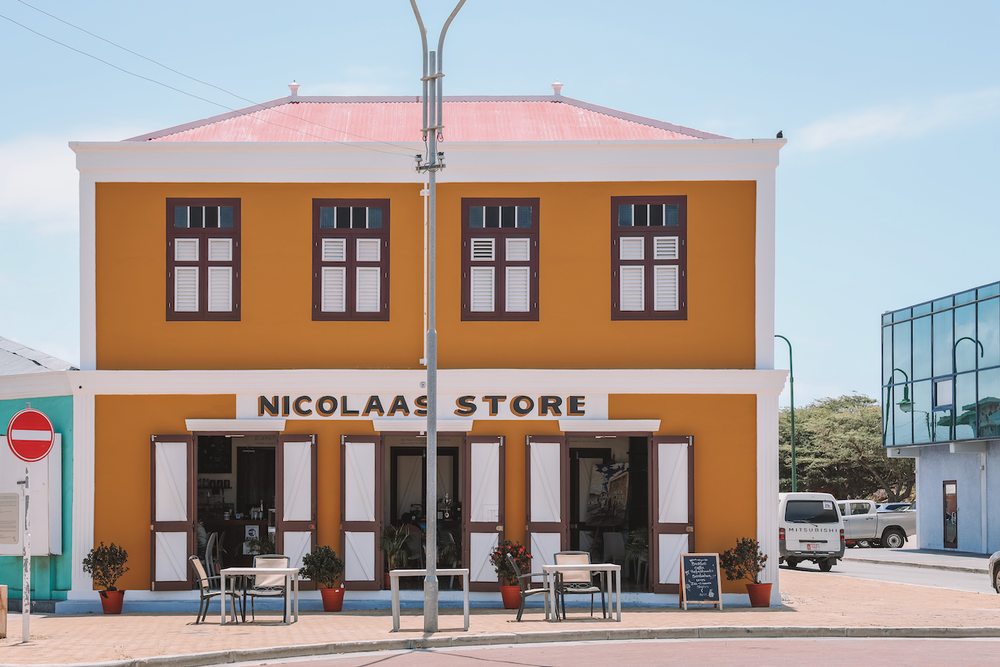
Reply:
x=37 y=385
x=473 y=380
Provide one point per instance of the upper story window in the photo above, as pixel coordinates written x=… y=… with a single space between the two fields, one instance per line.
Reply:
x=350 y=259
x=500 y=259
x=649 y=258
x=203 y=259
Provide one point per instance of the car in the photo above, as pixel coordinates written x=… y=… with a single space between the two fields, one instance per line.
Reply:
x=810 y=527
x=994 y=571
x=894 y=507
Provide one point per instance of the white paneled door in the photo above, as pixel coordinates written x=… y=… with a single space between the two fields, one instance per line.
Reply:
x=671 y=509
x=361 y=511
x=548 y=498
x=482 y=508
x=172 y=511
x=296 y=497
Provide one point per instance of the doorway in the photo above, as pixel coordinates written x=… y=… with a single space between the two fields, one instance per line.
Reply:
x=951 y=514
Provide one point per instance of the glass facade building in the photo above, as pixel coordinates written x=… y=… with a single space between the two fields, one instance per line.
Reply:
x=941 y=370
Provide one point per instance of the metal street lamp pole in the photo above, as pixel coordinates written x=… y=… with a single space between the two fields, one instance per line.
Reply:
x=432 y=133
x=791 y=389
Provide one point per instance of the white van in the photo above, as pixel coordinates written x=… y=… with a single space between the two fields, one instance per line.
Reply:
x=810 y=527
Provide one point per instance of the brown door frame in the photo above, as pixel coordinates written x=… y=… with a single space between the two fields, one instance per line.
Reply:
x=280 y=525
x=468 y=525
x=186 y=526
x=944 y=526
x=655 y=527
x=562 y=526
x=364 y=526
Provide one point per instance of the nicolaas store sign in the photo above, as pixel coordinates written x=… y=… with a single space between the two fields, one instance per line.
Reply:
x=382 y=406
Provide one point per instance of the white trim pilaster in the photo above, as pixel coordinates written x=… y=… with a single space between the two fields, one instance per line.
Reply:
x=767 y=489
x=83 y=491
x=88 y=270
x=764 y=270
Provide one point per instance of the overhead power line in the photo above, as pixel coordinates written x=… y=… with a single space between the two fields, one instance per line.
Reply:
x=198 y=97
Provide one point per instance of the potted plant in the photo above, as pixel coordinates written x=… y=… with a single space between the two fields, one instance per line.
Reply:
x=510 y=588
x=106 y=564
x=392 y=541
x=324 y=567
x=637 y=550
x=746 y=561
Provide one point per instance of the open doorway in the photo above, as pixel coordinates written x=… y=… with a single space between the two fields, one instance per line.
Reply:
x=405 y=490
x=236 y=480
x=608 y=503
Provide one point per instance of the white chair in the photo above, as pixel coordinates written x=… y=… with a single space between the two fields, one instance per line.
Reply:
x=265 y=585
x=577 y=583
x=614 y=547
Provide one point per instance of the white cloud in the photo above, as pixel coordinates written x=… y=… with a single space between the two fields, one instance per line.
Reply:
x=902 y=121
x=38 y=184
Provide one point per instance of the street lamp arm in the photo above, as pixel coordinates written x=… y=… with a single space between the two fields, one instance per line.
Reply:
x=791 y=389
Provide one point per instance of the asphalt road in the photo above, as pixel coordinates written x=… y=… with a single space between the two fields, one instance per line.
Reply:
x=750 y=652
x=905 y=574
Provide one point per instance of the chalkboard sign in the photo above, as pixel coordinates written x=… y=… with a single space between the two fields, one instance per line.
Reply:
x=700 y=582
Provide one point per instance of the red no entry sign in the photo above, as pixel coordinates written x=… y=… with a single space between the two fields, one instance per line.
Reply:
x=30 y=435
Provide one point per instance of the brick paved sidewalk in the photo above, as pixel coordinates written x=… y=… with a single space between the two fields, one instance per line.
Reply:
x=812 y=602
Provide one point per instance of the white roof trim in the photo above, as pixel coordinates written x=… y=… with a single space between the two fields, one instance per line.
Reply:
x=235 y=425
x=420 y=425
x=608 y=425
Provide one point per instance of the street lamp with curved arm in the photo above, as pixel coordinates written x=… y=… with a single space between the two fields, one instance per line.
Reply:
x=905 y=405
x=791 y=390
x=954 y=364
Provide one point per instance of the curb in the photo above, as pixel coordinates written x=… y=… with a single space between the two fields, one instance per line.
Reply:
x=461 y=641
x=929 y=566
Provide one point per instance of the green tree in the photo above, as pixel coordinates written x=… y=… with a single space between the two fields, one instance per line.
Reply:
x=838 y=450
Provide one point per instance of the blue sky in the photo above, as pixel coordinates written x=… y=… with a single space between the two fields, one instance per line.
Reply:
x=886 y=189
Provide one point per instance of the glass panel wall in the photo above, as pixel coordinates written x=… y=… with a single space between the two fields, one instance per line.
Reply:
x=941 y=371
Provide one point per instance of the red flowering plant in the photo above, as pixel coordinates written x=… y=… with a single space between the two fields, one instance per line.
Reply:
x=505 y=571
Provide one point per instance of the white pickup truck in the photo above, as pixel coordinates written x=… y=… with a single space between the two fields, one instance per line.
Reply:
x=864 y=525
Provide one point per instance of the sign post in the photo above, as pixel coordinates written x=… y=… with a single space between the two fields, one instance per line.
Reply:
x=30 y=436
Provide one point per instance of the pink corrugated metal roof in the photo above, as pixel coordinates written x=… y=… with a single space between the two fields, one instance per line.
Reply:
x=398 y=119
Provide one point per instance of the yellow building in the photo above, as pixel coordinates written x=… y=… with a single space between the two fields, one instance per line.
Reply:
x=253 y=315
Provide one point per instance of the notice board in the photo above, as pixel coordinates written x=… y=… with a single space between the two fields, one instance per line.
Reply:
x=700 y=581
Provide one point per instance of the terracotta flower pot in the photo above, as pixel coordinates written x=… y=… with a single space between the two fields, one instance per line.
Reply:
x=112 y=601
x=511 y=596
x=333 y=598
x=760 y=595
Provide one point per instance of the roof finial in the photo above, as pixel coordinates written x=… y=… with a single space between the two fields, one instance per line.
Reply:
x=557 y=88
x=294 y=87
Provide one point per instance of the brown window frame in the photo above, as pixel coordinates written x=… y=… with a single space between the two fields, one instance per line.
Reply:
x=500 y=262
x=648 y=233
x=203 y=234
x=351 y=234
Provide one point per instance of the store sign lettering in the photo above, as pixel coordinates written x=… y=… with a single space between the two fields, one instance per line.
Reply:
x=492 y=405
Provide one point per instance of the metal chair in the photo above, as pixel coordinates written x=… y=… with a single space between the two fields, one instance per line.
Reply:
x=265 y=585
x=211 y=554
x=524 y=581
x=577 y=583
x=205 y=589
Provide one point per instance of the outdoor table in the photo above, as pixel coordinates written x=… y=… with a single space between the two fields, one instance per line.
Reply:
x=394 y=576
x=291 y=575
x=604 y=568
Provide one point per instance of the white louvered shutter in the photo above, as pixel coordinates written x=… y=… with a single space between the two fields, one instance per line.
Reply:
x=632 y=291
x=334 y=289
x=334 y=250
x=518 y=250
x=483 y=250
x=220 y=289
x=368 y=290
x=666 y=247
x=220 y=250
x=185 y=250
x=518 y=289
x=185 y=289
x=665 y=286
x=632 y=247
x=482 y=281
x=369 y=250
